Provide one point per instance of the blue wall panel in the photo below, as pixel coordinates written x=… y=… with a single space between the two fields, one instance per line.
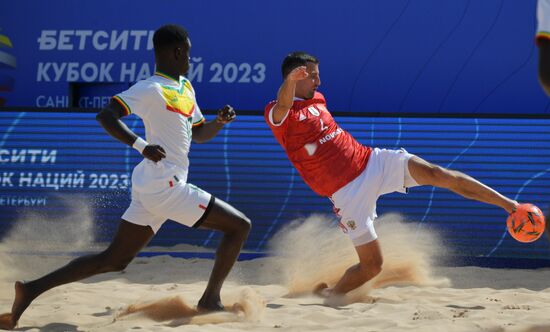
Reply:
x=246 y=167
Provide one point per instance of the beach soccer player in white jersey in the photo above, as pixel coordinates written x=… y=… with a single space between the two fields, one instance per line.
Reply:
x=352 y=175
x=543 y=42
x=166 y=104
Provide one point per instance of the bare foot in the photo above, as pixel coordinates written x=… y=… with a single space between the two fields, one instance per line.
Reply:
x=7 y=322
x=205 y=306
x=236 y=308
x=336 y=300
x=331 y=299
x=511 y=206
x=322 y=289
x=23 y=297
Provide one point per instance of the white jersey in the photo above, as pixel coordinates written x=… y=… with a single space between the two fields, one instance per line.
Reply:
x=169 y=111
x=543 y=18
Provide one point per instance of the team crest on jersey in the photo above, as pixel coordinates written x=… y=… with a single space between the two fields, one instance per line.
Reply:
x=178 y=100
x=313 y=110
x=351 y=224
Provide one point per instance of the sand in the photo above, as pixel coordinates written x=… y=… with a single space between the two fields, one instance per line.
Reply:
x=413 y=293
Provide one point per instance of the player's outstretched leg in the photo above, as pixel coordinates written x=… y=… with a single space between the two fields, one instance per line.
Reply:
x=128 y=241
x=425 y=173
x=235 y=227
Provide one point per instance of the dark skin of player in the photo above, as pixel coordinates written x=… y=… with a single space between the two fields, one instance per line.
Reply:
x=544 y=64
x=131 y=238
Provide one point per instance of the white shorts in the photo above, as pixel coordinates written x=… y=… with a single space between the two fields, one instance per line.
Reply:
x=543 y=18
x=183 y=203
x=386 y=172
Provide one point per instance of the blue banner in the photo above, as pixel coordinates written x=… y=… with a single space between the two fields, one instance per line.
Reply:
x=398 y=56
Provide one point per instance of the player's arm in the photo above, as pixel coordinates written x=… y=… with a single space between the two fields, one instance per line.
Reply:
x=544 y=64
x=285 y=96
x=209 y=130
x=109 y=118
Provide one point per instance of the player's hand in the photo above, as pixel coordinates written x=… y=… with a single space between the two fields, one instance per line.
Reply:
x=154 y=152
x=226 y=115
x=297 y=74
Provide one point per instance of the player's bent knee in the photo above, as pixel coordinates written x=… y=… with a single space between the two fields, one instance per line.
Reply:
x=114 y=264
x=244 y=224
x=239 y=225
x=376 y=269
x=371 y=268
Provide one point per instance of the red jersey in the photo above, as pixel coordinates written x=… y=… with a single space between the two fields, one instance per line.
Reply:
x=326 y=156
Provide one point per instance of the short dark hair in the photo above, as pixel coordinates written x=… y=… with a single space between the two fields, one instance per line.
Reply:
x=296 y=59
x=169 y=35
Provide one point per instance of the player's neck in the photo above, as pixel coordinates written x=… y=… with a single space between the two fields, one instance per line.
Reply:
x=167 y=73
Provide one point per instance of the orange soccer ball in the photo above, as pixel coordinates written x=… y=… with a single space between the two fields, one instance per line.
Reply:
x=526 y=224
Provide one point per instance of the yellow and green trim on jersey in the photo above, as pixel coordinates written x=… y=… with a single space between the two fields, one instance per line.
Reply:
x=199 y=123
x=179 y=99
x=123 y=104
x=161 y=74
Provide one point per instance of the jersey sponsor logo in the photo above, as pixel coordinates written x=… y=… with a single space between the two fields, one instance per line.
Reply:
x=313 y=110
x=329 y=137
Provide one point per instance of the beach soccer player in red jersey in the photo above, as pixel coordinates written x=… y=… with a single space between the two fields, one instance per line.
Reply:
x=350 y=174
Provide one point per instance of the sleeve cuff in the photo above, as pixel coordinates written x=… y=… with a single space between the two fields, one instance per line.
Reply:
x=123 y=104
x=271 y=118
x=199 y=123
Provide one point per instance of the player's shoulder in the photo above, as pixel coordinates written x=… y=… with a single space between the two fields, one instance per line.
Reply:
x=142 y=89
x=149 y=83
x=319 y=96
